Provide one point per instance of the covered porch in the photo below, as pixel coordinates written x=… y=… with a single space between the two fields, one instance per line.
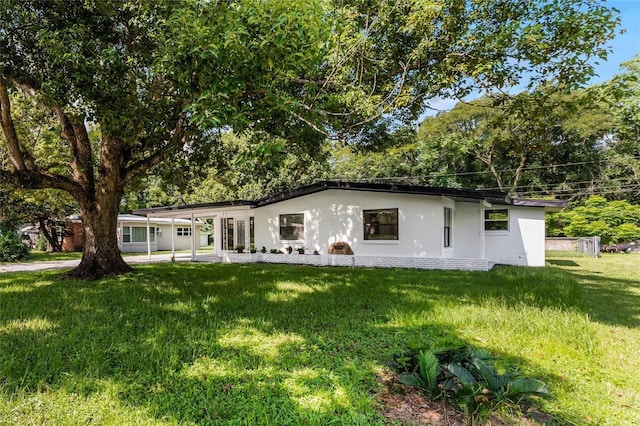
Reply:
x=233 y=227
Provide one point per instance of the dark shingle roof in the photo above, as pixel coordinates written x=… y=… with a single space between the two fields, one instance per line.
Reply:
x=493 y=197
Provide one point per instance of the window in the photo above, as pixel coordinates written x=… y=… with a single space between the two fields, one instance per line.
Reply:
x=240 y=235
x=380 y=224
x=138 y=234
x=226 y=228
x=292 y=226
x=496 y=220
x=447 y=226
x=252 y=233
x=183 y=232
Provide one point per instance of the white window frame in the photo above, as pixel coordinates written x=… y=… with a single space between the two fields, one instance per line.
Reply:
x=447 y=241
x=297 y=227
x=491 y=222
x=367 y=235
x=127 y=231
x=183 y=231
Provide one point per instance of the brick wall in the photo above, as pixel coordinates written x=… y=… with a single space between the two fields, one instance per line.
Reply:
x=75 y=240
x=466 y=264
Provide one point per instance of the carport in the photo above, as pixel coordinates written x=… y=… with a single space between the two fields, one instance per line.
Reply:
x=222 y=213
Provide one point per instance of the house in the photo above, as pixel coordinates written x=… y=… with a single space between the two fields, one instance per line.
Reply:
x=164 y=234
x=383 y=225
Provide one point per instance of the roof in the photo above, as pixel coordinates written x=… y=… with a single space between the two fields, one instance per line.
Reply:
x=492 y=197
x=141 y=219
x=153 y=220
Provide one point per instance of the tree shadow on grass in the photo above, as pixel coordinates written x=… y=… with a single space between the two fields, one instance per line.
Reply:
x=228 y=343
x=562 y=262
x=608 y=300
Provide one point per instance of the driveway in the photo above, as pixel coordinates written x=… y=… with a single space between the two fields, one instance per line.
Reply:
x=132 y=260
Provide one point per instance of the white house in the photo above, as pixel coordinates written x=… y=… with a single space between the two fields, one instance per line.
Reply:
x=164 y=234
x=143 y=234
x=384 y=225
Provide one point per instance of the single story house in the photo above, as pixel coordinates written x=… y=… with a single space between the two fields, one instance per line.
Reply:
x=163 y=234
x=384 y=225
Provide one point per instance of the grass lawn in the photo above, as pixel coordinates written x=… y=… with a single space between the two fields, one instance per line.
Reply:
x=44 y=256
x=272 y=344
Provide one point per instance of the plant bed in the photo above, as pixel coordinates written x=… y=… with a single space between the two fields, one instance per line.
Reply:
x=466 y=378
x=408 y=405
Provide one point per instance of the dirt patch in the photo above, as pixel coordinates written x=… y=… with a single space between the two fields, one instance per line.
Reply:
x=406 y=405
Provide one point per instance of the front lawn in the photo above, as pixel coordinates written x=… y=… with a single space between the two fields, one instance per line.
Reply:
x=273 y=344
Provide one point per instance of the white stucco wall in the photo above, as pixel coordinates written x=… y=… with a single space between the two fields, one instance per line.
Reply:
x=336 y=215
x=467 y=226
x=523 y=243
x=181 y=242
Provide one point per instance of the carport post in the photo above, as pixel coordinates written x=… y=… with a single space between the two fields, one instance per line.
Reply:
x=148 y=239
x=193 y=238
x=173 y=239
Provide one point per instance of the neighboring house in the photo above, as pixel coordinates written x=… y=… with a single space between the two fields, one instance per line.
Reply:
x=164 y=234
x=384 y=225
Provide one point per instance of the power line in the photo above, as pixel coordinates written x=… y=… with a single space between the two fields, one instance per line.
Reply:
x=482 y=172
x=559 y=184
x=593 y=192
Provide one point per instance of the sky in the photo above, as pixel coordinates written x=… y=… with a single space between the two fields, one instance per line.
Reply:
x=623 y=48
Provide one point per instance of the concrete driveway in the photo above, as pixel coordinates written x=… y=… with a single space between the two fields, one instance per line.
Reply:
x=132 y=260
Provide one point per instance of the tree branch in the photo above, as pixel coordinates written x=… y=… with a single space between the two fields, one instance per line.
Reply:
x=33 y=179
x=9 y=130
x=76 y=135
x=141 y=166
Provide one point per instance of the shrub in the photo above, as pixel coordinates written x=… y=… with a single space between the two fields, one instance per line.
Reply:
x=12 y=249
x=466 y=378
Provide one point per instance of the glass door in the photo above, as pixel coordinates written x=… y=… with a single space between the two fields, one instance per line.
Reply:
x=227 y=233
x=240 y=235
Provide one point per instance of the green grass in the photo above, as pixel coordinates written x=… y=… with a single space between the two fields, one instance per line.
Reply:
x=273 y=344
x=44 y=256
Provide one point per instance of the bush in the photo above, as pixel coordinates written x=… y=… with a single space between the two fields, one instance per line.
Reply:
x=465 y=377
x=12 y=249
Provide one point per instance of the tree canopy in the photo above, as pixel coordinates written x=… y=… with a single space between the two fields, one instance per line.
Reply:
x=613 y=221
x=132 y=85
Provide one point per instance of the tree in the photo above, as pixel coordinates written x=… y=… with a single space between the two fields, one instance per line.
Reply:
x=158 y=78
x=528 y=143
x=47 y=209
x=613 y=221
x=623 y=149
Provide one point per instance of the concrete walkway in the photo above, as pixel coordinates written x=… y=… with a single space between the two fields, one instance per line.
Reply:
x=131 y=260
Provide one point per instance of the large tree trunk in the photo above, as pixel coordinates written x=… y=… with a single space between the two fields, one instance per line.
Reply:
x=100 y=255
x=99 y=210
